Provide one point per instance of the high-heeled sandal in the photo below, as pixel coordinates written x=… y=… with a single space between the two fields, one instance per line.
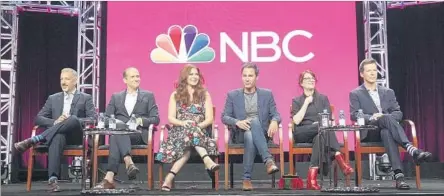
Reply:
x=167 y=188
x=213 y=168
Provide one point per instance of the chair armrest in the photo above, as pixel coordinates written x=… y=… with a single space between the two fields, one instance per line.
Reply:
x=290 y=136
x=215 y=132
x=357 y=139
x=34 y=130
x=345 y=138
x=150 y=135
x=279 y=135
x=412 y=129
x=162 y=132
x=226 y=137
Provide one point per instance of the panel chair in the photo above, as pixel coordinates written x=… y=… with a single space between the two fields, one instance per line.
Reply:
x=306 y=148
x=212 y=132
x=238 y=149
x=136 y=150
x=41 y=149
x=378 y=147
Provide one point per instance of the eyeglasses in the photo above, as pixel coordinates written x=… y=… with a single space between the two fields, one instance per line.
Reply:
x=309 y=79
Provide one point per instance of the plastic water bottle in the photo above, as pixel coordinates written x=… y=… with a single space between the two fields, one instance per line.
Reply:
x=112 y=122
x=132 y=125
x=360 y=117
x=324 y=118
x=101 y=121
x=341 y=118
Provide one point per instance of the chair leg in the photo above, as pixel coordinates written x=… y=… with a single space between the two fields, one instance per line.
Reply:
x=160 y=176
x=226 y=168
x=30 y=168
x=216 y=175
x=358 y=159
x=94 y=169
x=291 y=162
x=418 y=177
x=231 y=175
x=150 y=163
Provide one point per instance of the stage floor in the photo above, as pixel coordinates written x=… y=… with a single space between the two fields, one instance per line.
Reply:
x=429 y=187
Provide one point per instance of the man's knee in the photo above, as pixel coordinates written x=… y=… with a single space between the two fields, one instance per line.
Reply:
x=387 y=119
x=72 y=122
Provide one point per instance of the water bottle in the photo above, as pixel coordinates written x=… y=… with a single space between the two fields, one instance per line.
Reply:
x=341 y=118
x=360 y=117
x=112 y=122
x=101 y=121
x=132 y=123
x=324 y=118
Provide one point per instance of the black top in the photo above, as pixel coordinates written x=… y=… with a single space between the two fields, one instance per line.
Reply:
x=319 y=103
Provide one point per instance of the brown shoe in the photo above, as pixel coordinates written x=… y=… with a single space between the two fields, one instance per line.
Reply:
x=246 y=185
x=105 y=184
x=271 y=167
x=23 y=145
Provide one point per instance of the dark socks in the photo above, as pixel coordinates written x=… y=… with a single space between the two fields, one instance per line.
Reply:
x=413 y=151
x=36 y=139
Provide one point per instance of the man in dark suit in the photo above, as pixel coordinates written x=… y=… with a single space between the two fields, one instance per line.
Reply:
x=62 y=115
x=380 y=108
x=252 y=116
x=132 y=101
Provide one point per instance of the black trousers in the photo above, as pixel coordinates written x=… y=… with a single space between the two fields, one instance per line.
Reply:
x=309 y=134
x=119 y=147
x=55 y=138
x=391 y=134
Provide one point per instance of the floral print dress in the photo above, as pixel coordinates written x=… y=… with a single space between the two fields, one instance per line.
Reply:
x=181 y=138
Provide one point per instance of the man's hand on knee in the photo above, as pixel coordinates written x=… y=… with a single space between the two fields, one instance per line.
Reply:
x=376 y=116
x=244 y=124
x=62 y=118
x=272 y=128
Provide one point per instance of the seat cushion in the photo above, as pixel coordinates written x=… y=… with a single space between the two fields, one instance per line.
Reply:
x=106 y=147
x=41 y=148
x=309 y=145
x=372 y=144
x=269 y=144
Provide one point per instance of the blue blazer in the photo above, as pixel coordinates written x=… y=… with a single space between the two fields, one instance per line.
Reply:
x=234 y=111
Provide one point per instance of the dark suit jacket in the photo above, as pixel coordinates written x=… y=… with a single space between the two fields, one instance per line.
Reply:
x=235 y=110
x=145 y=108
x=82 y=107
x=360 y=99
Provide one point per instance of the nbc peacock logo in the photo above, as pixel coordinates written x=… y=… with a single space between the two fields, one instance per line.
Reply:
x=182 y=45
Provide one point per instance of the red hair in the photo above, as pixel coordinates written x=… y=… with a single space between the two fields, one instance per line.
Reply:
x=182 y=94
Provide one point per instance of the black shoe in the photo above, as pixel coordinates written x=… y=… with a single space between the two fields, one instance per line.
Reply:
x=23 y=145
x=422 y=157
x=53 y=185
x=401 y=184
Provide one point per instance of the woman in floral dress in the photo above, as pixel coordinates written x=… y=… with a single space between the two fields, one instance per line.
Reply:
x=190 y=111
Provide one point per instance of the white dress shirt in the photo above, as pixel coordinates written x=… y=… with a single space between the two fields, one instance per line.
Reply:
x=67 y=101
x=130 y=101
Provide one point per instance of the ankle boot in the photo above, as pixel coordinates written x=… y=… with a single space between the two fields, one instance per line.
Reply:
x=312 y=182
x=345 y=167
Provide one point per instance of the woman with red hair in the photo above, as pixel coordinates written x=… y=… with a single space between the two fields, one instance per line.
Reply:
x=190 y=111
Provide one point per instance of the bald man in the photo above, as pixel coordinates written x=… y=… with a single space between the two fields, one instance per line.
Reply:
x=123 y=105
